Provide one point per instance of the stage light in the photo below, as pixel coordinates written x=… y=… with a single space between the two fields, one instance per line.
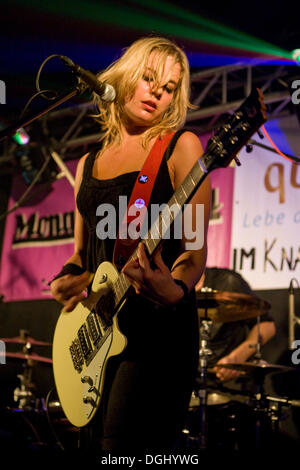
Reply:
x=158 y=16
x=296 y=55
x=21 y=137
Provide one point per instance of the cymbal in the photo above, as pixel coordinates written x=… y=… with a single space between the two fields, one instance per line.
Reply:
x=256 y=367
x=28 y=339
x=229 y=306
x=213 y=398
x=33 y=357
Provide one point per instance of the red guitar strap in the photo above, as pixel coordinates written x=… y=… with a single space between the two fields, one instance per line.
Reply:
x=128 y=236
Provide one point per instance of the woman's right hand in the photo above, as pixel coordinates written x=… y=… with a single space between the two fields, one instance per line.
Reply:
x=69 y=290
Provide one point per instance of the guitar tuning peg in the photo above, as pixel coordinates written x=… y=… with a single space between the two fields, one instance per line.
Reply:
x=249 y=148
x=260 y=134
x=237 y=161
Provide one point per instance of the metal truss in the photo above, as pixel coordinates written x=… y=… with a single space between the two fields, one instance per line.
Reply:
x=216 y=92
x=221 y=90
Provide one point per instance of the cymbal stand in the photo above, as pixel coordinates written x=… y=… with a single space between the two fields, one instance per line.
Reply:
x=265 y=413
x=260 y=405
x=257 y=346
x=23 y=394
x=204 y=353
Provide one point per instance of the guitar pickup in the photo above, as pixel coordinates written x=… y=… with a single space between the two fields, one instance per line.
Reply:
x=84 y=341
x=103 y=307
x=93 y=327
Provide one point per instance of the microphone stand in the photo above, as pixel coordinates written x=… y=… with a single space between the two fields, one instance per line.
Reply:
x=293 y=319
x=13 y=128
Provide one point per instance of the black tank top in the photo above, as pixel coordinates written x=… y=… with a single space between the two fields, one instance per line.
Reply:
x=169 y=326
x=94 y=192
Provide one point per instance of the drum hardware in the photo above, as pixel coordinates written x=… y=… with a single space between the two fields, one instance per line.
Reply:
x=263 y=406
x=284 y=401
x=274 y=413
x=258 y=369
x=24 y=338
x=257 y=346
x=23 y=395
x=275 y=409
x=204 y=353
x=41 y=420
x=213 y=398
x=28 y=342
x=27 y=357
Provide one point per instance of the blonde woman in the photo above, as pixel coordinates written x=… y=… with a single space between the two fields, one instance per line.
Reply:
x=147 y=387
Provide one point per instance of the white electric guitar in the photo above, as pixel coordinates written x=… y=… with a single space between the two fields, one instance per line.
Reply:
x=87 y=337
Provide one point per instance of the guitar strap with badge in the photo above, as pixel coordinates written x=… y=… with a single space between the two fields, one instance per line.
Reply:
x=128 y=236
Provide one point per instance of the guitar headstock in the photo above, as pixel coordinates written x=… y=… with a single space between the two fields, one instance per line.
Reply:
x=237 y=130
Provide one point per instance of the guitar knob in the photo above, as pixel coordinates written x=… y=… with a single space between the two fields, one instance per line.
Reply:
x=103 y=278
x=87 y=380
x=89 y=400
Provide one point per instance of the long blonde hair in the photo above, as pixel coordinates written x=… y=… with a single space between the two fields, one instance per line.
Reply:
x=124 y=75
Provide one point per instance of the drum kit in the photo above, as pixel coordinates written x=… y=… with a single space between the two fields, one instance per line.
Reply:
x=31 y=420
x=230 y=417
x=219 y=417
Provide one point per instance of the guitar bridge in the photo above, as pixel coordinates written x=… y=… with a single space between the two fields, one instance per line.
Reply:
x=76 y=355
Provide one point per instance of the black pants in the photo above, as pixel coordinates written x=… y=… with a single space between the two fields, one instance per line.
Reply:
x=144 y=405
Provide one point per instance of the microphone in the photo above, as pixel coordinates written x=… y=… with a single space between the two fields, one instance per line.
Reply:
x=104 y=91
x=291 y=316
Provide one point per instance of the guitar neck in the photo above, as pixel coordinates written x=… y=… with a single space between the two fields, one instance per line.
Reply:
x=159 y=229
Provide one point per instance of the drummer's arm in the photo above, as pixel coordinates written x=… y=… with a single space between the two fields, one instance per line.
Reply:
x=245 y=349
x=266 y=331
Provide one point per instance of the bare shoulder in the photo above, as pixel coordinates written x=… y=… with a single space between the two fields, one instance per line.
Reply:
x=187 y=150
x=189 y=141
x=80 y=166
x=79 y=171
x=81 y=162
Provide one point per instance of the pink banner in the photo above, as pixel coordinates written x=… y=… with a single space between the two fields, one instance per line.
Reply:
x=38 y=239
x=219 y=230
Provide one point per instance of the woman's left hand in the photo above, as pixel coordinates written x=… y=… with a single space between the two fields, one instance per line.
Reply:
x=156 y=284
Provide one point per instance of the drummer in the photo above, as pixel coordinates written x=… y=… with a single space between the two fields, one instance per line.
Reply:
x=234 y=342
